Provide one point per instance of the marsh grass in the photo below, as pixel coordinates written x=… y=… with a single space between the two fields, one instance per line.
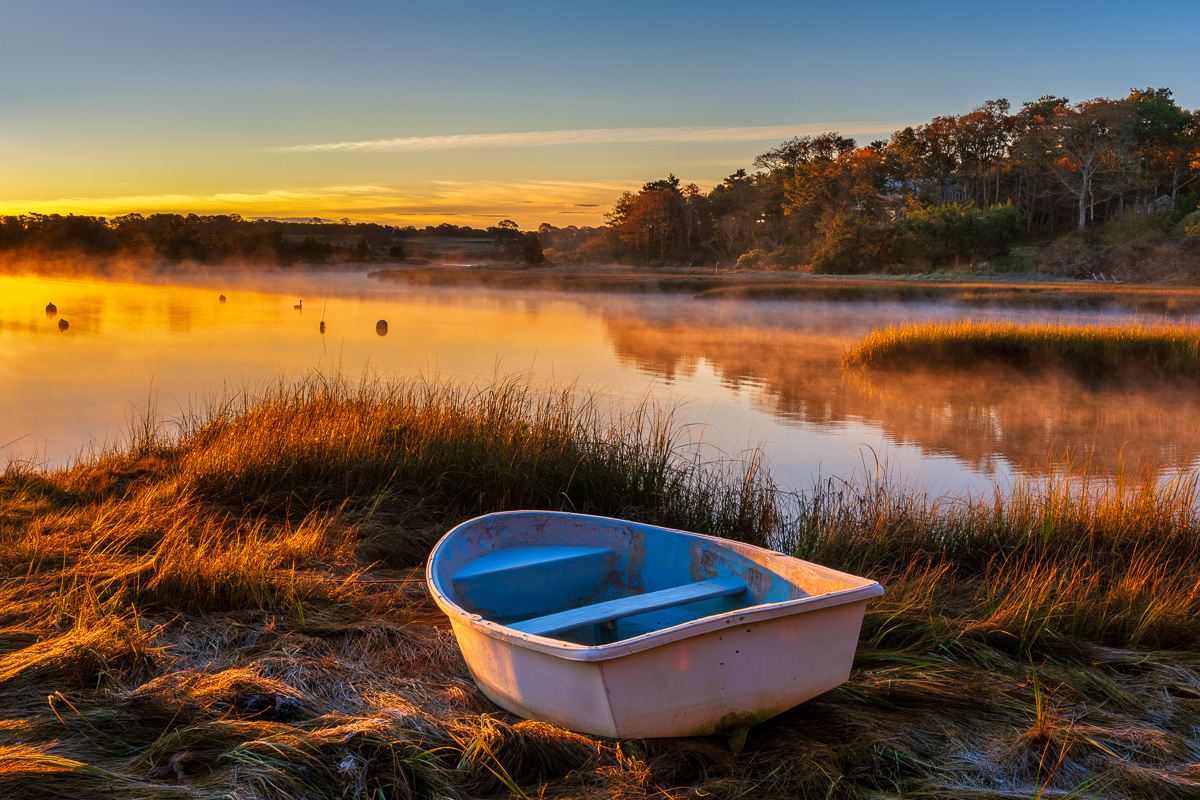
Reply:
x=238 y=612
x=1094 y=354
x=430 y=447
x=1111 y=562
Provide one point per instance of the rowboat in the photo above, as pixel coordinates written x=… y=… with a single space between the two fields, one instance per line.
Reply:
x=619 y=629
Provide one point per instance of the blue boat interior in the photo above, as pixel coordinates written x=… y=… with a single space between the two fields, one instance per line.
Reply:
x=621 y=584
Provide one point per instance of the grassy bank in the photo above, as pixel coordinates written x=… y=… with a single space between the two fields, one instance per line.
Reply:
x=239 y=612
x=1092 y=353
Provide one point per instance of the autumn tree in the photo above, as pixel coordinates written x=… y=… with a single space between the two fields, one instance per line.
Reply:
x=1086 y=148
x=734 y=207
x=803 y=150
x=848 y=182
x=904 y=168
x=1167 y=138
x=653 y=224
x=983 y=138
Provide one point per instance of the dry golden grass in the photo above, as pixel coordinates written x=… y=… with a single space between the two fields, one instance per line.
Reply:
x=239 y=613
x=1130 y=353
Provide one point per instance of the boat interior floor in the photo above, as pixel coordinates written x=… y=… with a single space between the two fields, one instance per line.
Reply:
x=524 y=587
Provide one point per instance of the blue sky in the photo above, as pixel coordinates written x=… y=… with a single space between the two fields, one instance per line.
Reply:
x=139 y=106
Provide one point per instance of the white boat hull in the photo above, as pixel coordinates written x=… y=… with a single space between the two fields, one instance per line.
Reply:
x=712 y=683
x=718 y=673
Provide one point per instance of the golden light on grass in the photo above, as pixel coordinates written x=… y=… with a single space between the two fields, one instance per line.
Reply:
x=239 y=611
x=1097 y=353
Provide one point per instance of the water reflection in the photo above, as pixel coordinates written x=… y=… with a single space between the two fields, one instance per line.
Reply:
x=981 y=419
x=179 y=317
x=1036 y=424
x=745 y=373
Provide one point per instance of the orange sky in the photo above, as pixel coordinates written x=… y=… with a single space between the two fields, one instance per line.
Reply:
x=560 y=177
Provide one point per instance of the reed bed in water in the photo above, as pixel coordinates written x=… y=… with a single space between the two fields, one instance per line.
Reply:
x=237 y=612
x=1093 y=353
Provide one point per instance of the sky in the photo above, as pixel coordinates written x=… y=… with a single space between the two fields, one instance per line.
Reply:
x=420 y=113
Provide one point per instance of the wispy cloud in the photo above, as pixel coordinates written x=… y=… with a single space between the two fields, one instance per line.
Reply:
x=592 y=136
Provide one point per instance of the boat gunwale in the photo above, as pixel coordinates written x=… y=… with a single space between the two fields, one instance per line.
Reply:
x=576 y=652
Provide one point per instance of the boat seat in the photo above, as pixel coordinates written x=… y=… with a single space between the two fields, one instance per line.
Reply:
x=610 y=610
x=517 y=564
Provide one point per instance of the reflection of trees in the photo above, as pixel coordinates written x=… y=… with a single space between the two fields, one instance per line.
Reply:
x=1032 y=422
x=978 y=419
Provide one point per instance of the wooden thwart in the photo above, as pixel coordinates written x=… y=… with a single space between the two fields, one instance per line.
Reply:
x=628 y=606
x=514 y=562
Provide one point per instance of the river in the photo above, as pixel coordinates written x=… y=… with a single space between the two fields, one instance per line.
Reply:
x=740 y=374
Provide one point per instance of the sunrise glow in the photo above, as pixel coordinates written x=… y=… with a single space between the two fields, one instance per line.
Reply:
x=414 y=116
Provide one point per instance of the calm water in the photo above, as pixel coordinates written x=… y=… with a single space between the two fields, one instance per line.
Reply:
x=743 y=374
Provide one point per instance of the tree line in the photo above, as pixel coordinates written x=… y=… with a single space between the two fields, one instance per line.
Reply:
x=220 y=238
x=957 y=187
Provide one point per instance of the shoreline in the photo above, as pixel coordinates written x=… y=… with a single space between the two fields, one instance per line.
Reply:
x=702 y=283
x=967 y=291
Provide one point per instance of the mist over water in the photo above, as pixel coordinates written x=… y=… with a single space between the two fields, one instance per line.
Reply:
x=742 y=374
